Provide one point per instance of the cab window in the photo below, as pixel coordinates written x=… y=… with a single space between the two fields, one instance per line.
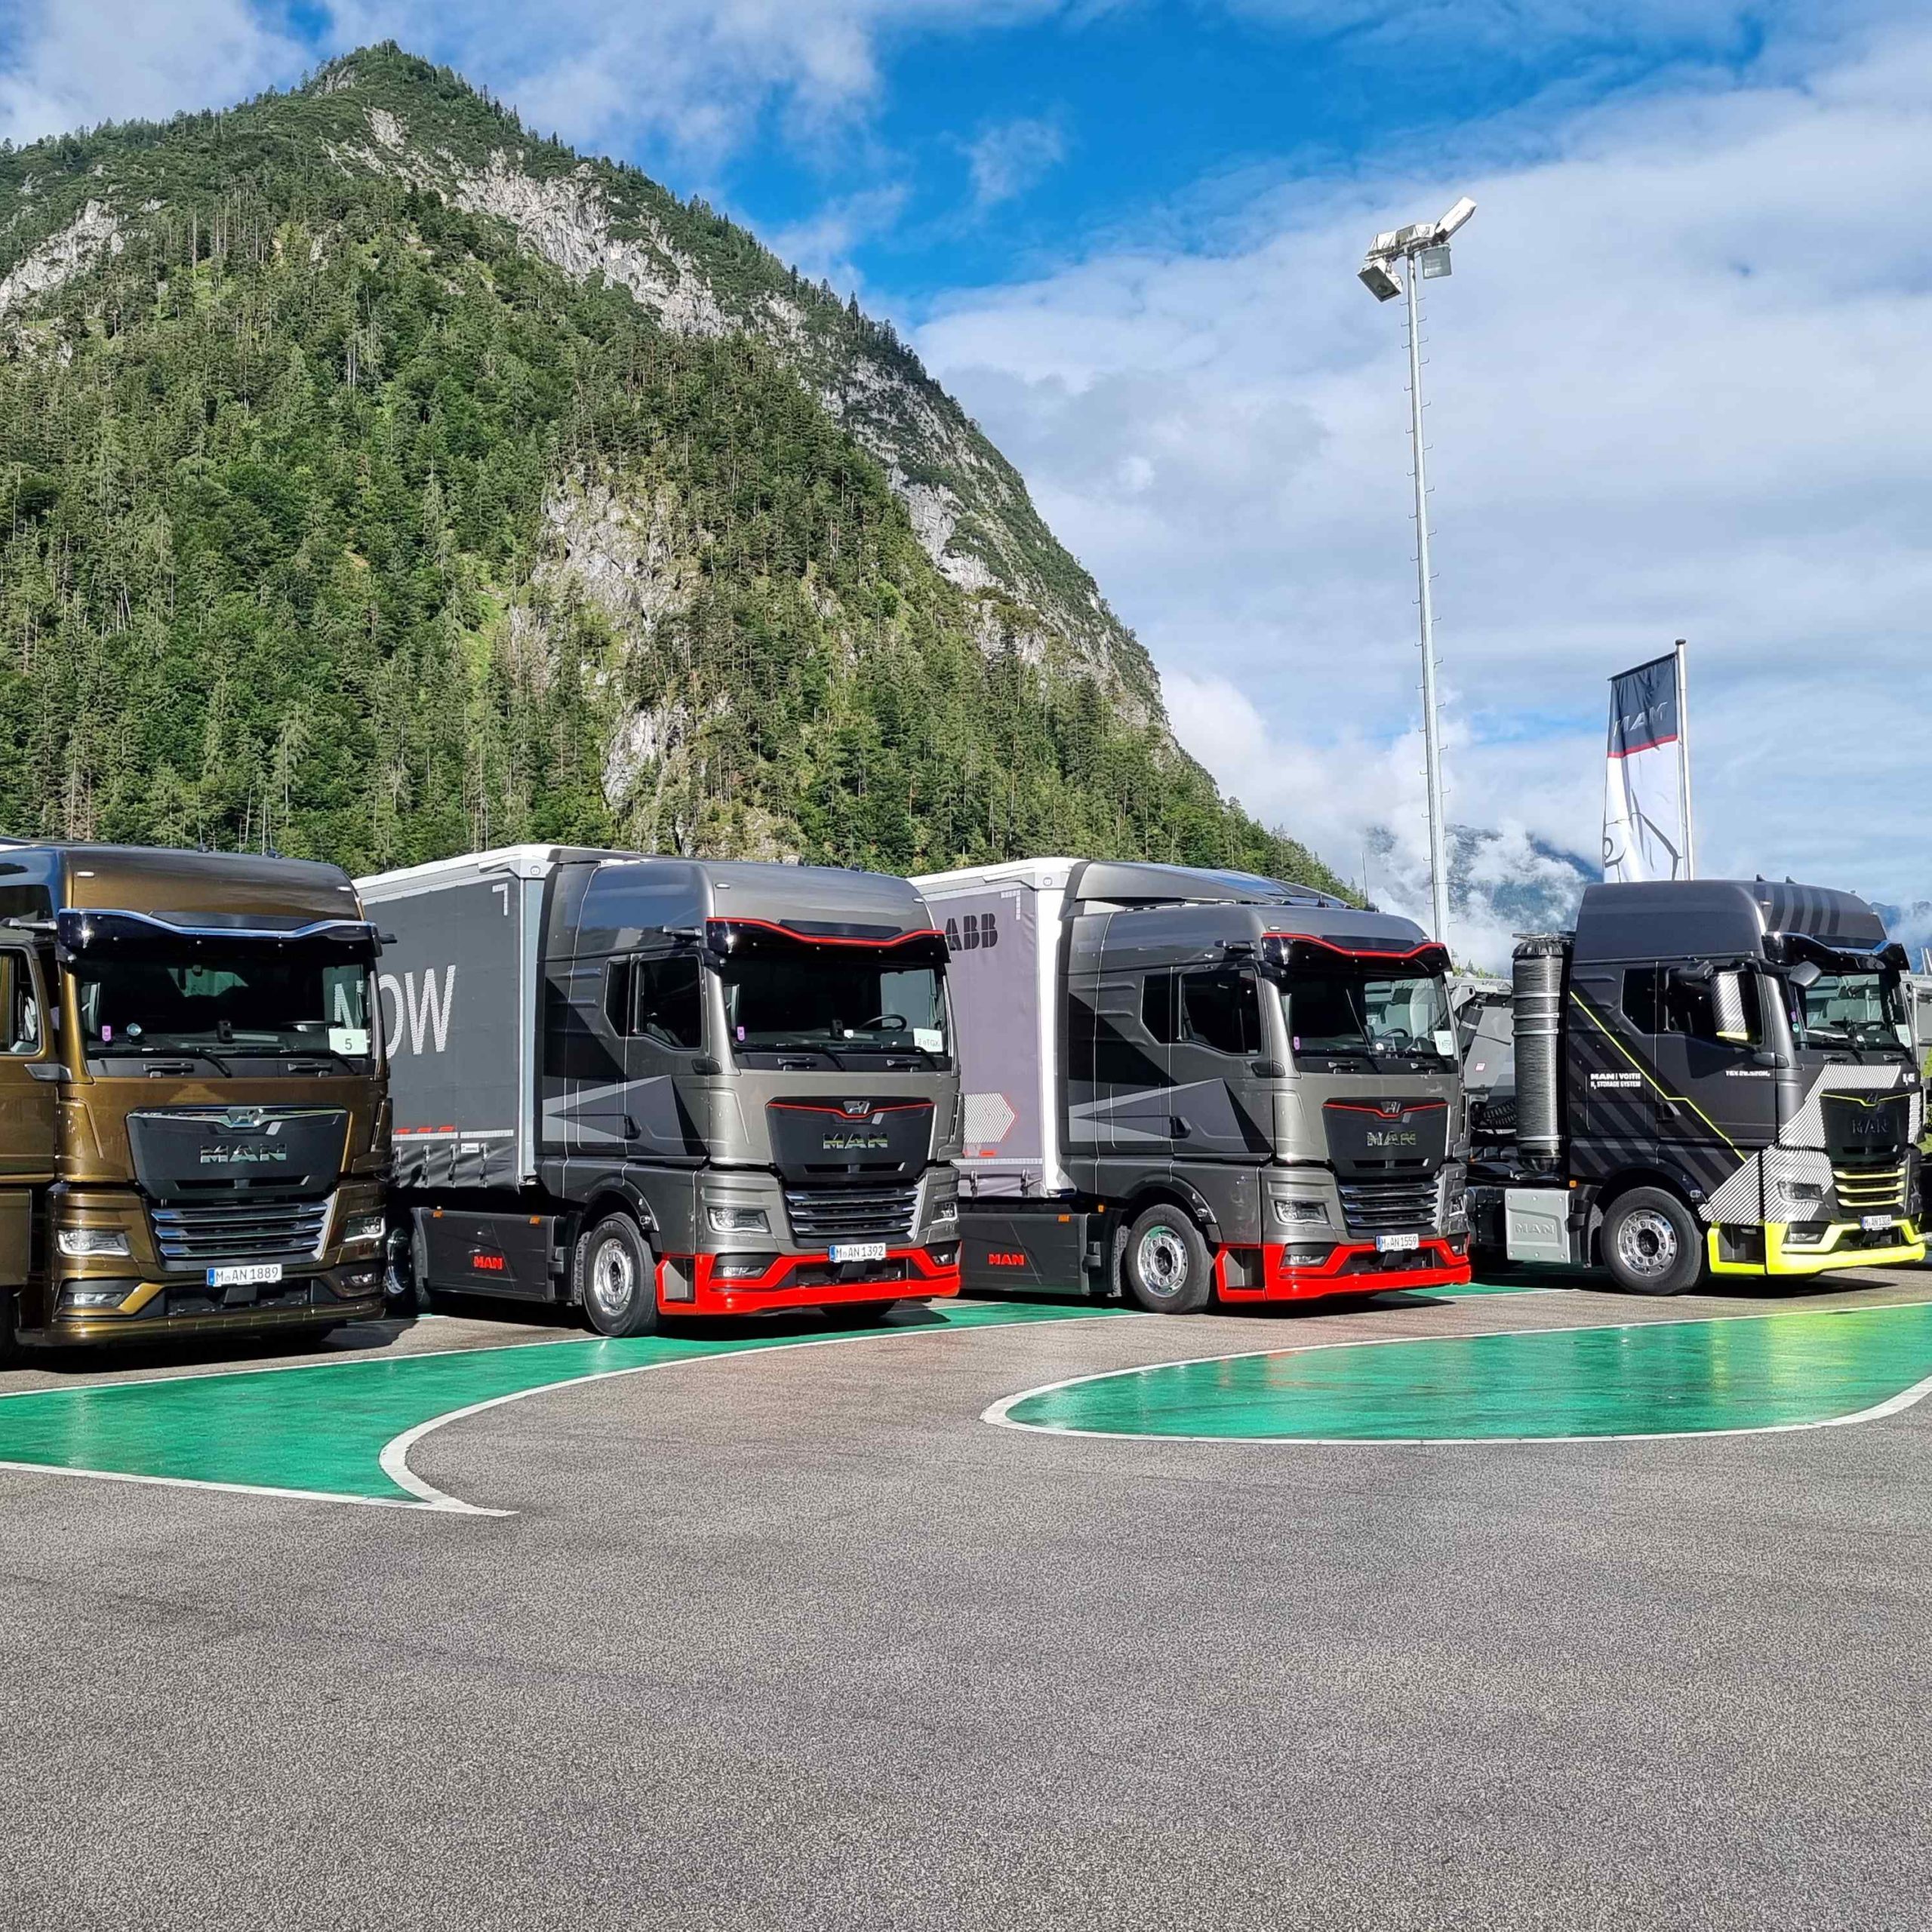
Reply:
x=20 y=1011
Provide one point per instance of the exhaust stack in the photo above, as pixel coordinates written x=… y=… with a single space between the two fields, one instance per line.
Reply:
x=1538 y=977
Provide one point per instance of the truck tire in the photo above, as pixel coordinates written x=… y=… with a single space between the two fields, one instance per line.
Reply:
x=1165 y=1267
x=615 y=1277
x=403 y=1294
x=1653 y=1244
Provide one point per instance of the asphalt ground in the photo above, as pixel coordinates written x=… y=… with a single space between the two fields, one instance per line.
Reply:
x=794 y=1639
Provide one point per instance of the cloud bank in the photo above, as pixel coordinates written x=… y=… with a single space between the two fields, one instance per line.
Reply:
x=1676 y=389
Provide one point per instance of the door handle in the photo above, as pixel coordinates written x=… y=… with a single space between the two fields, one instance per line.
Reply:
x=1177 y=1128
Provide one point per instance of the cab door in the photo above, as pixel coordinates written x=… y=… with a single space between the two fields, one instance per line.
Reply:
x=654 y=1001
x=27 y=1119
x=1719 y=1101
x=1217 y=1107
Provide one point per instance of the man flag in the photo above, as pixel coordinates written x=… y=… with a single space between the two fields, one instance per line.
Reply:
x=1647 y=802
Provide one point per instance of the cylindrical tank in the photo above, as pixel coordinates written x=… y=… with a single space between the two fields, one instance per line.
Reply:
x=1538 y=977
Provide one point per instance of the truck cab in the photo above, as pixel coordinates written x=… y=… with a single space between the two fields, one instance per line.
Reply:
x=654 y=1087
x=1709 y=1078
x=1186 y=1086
x=194 y=1137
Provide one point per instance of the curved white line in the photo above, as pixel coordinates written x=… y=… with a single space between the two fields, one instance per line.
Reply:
x=248 y=1489
x=1000 y=1414
x=394 y=1458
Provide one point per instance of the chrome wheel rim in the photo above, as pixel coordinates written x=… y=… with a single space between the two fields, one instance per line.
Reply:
x=1162 y=1258
x=612 y=1277
x=1647 y=1243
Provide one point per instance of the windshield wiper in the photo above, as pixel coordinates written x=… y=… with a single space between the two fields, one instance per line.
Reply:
x=299 y=1052
x=111 y=1049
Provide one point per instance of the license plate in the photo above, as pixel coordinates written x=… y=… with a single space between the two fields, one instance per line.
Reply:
x=1873 y=1223
x=858 y=1250
x=1396 y=1244
x=244 y=1275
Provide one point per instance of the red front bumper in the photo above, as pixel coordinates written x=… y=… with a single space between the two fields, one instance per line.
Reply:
x=797 y=1281
x=1436 y=1263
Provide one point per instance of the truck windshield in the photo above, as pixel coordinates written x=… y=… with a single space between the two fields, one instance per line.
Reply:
x=843 y=1003
x=233 y=1002
x=1363 y=1008
x=1849 y=1010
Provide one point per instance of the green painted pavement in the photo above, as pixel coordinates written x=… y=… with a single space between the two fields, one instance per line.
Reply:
x=1784 y=1371
x=321 y=1429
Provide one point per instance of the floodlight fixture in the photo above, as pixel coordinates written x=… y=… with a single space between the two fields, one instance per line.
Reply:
x=1379 y=278
x=1434 y=263
x=1455 y=218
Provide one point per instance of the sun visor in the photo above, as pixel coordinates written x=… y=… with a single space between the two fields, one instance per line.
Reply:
x=79 y=930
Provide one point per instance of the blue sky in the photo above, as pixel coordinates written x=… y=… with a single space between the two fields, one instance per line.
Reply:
x=1678 y=383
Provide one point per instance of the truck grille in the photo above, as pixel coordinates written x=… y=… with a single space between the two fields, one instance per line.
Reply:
x=1873 y=1190
x=253 y=1231
x=1395 y=1205
x=820 y=1215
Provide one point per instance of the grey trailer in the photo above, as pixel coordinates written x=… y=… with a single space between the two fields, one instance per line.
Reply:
x=659 y=1086
x=1183 y=1085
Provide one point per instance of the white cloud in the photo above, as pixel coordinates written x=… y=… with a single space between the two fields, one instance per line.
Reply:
x=1008 y=159
x=70 y=64
x=1676 y=388
x=700 y=75
x=822 y=246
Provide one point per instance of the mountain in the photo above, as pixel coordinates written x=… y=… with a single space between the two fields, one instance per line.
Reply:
x=379 y=479
x=1501 y=883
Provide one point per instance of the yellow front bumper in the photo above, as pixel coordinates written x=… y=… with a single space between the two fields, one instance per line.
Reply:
x=1821 y=1257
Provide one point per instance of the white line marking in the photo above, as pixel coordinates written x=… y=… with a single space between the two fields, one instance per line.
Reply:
x=1000 y=1414
x=447 y=1507
x=394 y=1458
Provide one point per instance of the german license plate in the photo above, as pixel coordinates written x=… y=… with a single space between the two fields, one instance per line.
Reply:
x=858 y=1250
x=1396 y=1244
x=1873 y=1223
x=244 y=1275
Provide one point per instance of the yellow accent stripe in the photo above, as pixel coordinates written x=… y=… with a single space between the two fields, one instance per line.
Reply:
x=1676 y=1099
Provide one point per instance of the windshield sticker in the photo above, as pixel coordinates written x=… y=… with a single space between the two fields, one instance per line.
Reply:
x=928 y=1039
x=349 y=1039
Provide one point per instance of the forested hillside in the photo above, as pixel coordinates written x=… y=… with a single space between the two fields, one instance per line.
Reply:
x=345 y=510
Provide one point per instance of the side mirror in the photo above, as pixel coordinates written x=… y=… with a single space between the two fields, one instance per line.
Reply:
x=1806 y=972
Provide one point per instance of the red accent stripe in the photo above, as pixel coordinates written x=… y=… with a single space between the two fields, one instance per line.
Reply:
x=1355 y=1107
x=825 y=938
x=1360 y=952
x=839 y=1113
x=1631 y=751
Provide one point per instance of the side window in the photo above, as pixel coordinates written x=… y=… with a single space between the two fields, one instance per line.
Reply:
x=1723 y=1011
x=1640 y=999
x=617 y=994
x=1222 y=1011
x=667 y=1002
x=1157 y=1007
x=20 y=1011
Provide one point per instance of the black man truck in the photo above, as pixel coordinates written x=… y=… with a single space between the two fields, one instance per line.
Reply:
x=1182 y=1086
x=1709 y=1078
x=653 y=1087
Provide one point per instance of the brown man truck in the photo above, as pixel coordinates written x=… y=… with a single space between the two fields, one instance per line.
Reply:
x=194 y=1131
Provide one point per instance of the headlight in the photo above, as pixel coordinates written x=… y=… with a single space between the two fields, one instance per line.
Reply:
x=1804 y=1190
x=363 y=1227
x=92 y=1240
x=1299 y=1214
x=946 y=1209
x=737 y=1221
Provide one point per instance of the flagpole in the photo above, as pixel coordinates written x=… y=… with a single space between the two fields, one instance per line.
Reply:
x=1684 y=755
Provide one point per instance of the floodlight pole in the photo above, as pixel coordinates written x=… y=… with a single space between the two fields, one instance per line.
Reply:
x=1438 y=867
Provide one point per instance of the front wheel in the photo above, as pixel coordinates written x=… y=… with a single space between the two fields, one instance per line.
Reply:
x=1653 y=1244
x=615 y=1278
x=1166 y=1267
x=403 y=1294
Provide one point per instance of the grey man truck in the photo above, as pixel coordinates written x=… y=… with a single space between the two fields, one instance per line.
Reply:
x=1706 y=1078
x=193 y=1134
x=653 y=1087
x=1187 y=1086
